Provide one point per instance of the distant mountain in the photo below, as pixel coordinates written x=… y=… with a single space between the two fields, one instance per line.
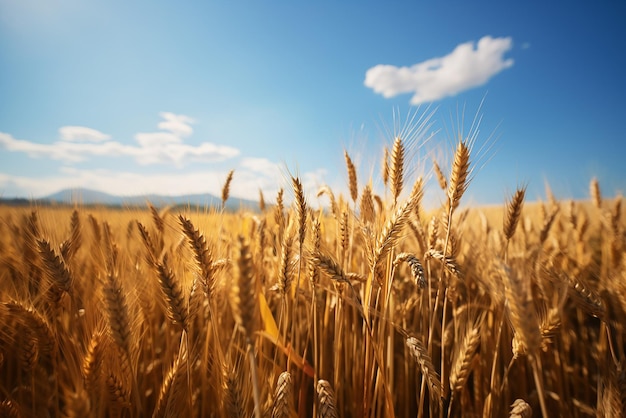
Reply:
x=83 y=196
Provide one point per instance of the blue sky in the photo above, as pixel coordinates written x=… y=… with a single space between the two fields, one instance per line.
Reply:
x=167 y=97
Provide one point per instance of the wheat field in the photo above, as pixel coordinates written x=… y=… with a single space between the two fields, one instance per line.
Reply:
x=370 y=307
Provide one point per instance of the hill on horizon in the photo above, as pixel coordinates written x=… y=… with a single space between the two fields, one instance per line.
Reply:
x=84 y=196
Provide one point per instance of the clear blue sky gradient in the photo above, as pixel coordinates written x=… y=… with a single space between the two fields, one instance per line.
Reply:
x=282 y=83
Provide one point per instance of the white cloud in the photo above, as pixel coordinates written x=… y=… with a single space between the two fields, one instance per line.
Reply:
x=263 y=166
x=179 y=125
x=67 y=151
x=466 y=67
x=82 y=133
x=164 y=147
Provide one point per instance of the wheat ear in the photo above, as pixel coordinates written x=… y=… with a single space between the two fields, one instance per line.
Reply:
x=459 y=175
x=246 y=311
x=520 y=409
x=352 y=183
x=385 y=166
x=367 y=211
x=513 y=212
x=326 y=397
x=202 y=254
x=72 y=244
x=55 y=267
x=283 y=396
x=226 y=187
x=301 y=211
x=391 y=231
x=420 y=354
x=462 y=363
x=417 y=271
x=441 y=178
x=173 y=293
x=261 y=201
x=396 y=170
x=594 y=191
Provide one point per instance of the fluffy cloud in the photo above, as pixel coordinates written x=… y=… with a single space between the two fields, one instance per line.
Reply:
x=466 y=67
x=164 y=147
x=263 y=166
x=179 y=125
x=67 y=151
x=82 y=133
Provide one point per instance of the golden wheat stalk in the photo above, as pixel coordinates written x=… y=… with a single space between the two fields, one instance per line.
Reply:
x=596 y=194
x=177 y=311
x=246 y=310
x=448 y=262
x=325 y=190
x=301 y=211
x=459 y=174
x=72 y=244
x=226 y=187
x=391 y=232
x=284 y=269
x=353 y=187
x=202 y=254
x=367 y=211
x=463 y=361
x=385 y=166
x=56 y=268
x=521 y=312
x=513 y=212
x=152 y=256
x=234 y=403
x=416 y=267
x=34 y=322
x=172 y=400
x=261 y=201
x=441 y=178
x=420 y=354
x=396 y=169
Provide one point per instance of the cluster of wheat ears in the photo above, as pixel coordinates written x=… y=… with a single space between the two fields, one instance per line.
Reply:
x=373 y=307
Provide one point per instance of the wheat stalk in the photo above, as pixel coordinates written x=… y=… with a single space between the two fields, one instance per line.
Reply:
x=441 y=178
x=202 y=254
x=459 y=174
x=173 y=293
x=513 y=213
x=396 y=169
x=420 y=354
x=354 y=191
x=226 y=187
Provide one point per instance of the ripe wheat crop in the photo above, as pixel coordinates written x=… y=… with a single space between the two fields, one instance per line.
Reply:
x=372 y=307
